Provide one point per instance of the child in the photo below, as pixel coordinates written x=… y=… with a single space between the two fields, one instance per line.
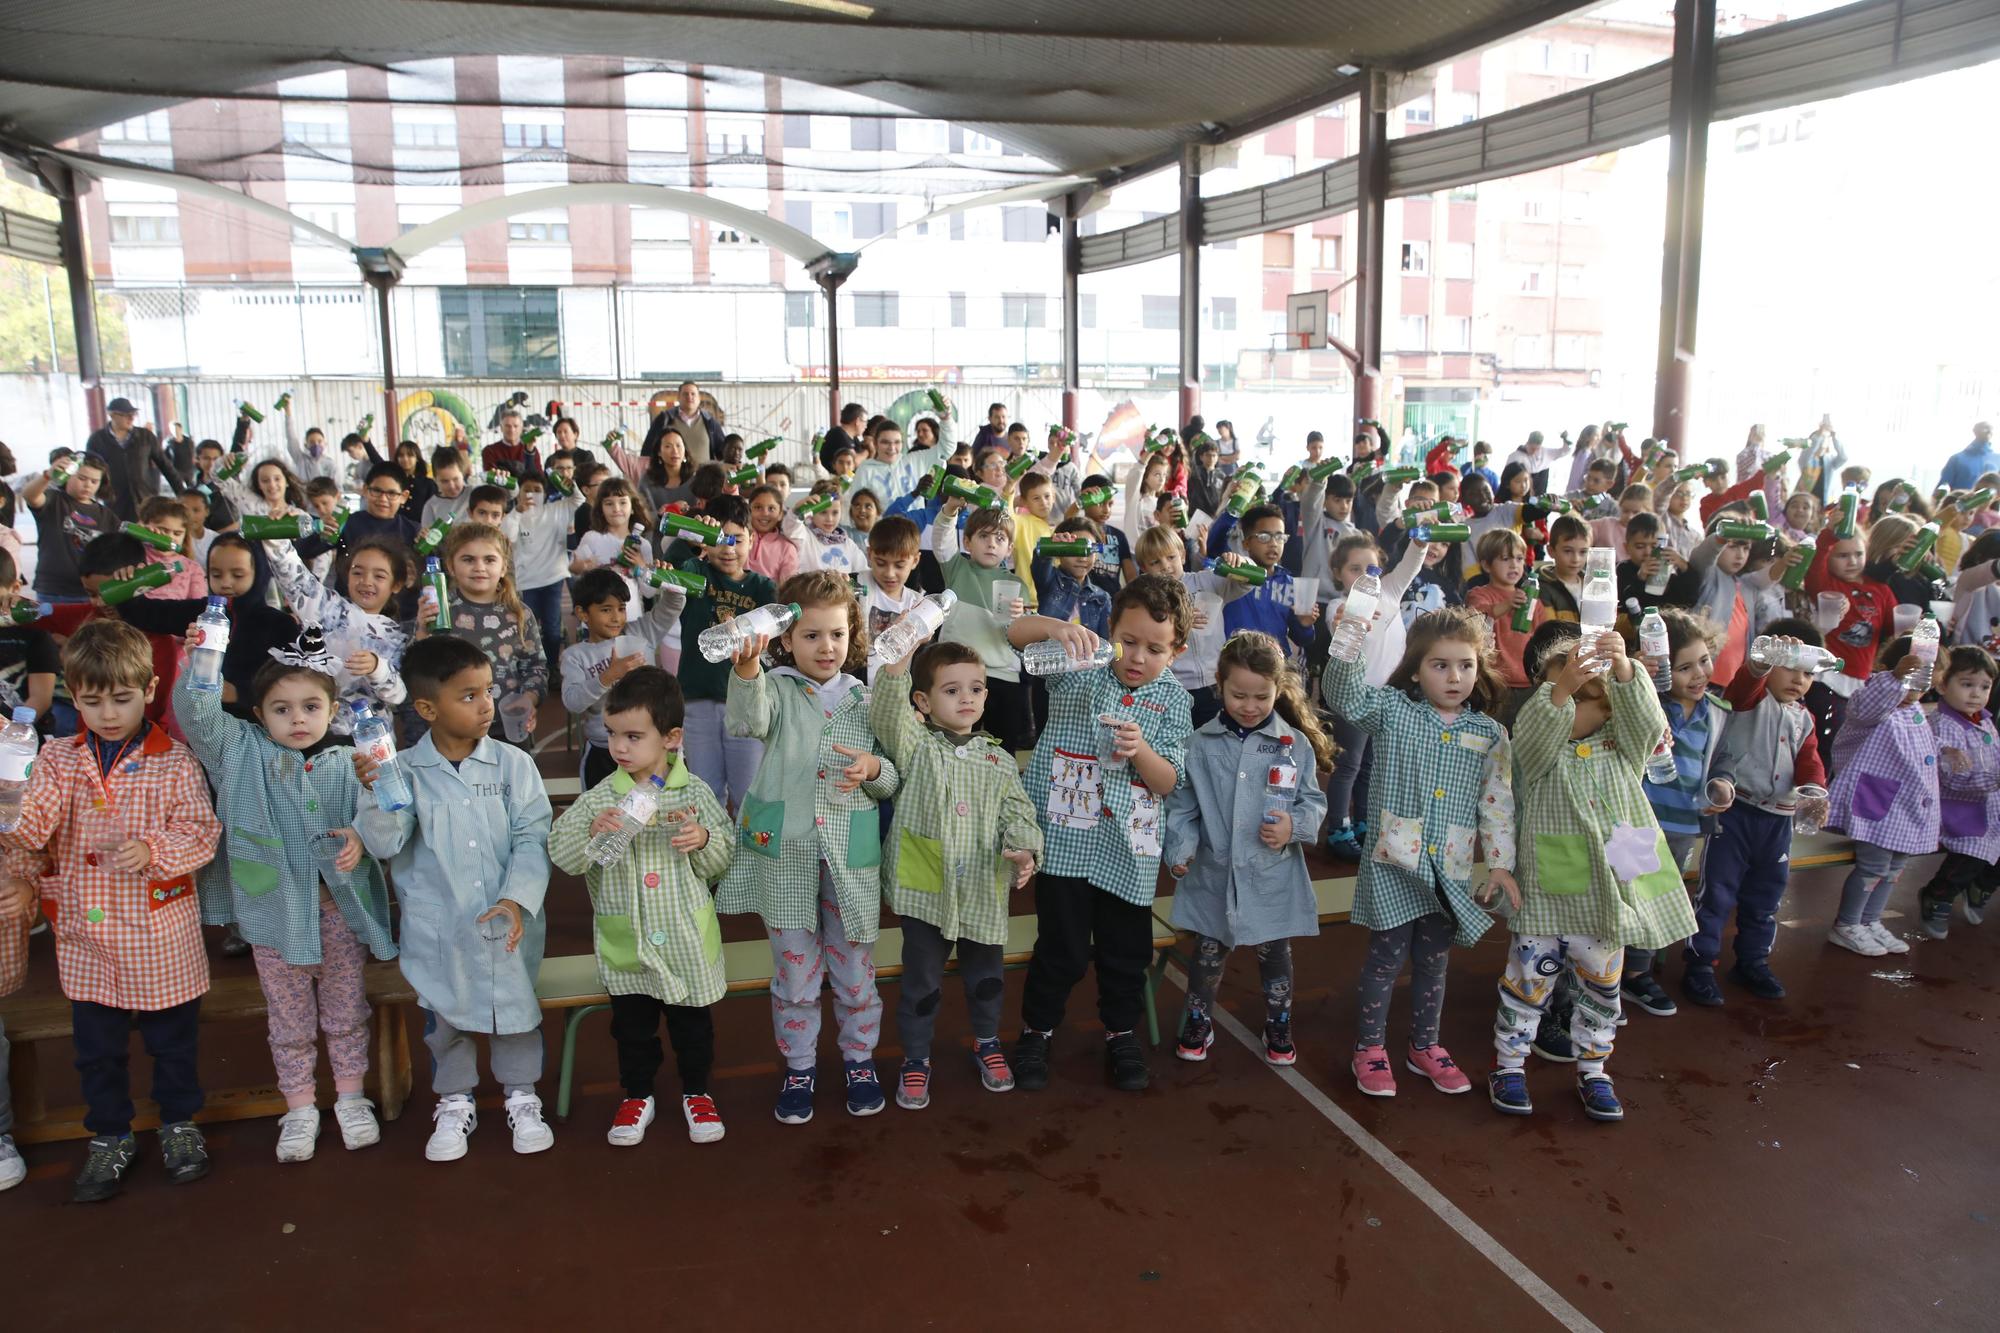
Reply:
x=1101 y=821
x=1768 y=751
x=1114 y=551
x=659 y=946
x=821 y=541
x=1682 y=533
x=66 y=519
x=1381 y=651
x=810 y=859
x=282 y=792
x=448 y=476
x=28 y=657
x=772 y=553
x=1236 y=845
x=1161 y=551
x=1066 y=583
x=1969 y=787
x=1562 y=576
x=469 y=859
x=888 y=471
x=1642 y=558
x=963 y=835
x=612 y=649
x=1268 y=608
x=1635 y=500
x=1442 y=776
x=113 y=826
x=1594 y=870
x=617 y=515
x=486 y=610
x=1503 y=559
x=894 y=547
x=1032 y=511
x=17 y=912
x=979 y=619
x=541 y=556
x=165 y=515
x=864 y=509
x=1326 y=509
x=724 y=761
x=488 y=505
x=361 y=630
x=1713 y=584
x=1884 y=796
x=1839 y=565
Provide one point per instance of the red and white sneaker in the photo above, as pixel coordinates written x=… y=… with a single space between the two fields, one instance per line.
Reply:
x=1372 y=1073
x=1435 y=1063
x=703 y=1120
x=628 y=1126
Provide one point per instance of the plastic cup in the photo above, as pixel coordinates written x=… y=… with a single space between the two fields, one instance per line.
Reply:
x=1719 y=792
x=1907 y=617
x=1304 y=592
x=1943 y=611
x=326 y=850
x=1107 y=739
x=1005 y=593
x=1829 y=609
x=1808 y=809
x=515 y=710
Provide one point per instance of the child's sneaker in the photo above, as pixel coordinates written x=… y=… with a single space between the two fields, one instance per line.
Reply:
x=864 y=1088
x=1372 y=1073
x=1507 y=1089
x=1757 y=979
x=358 y=1126
x=183 y=1152
x=994 y=1073
x=1974 y=907
x=1600 y=1102
x=1197 y=1035
x=795 y=1096
x=628 y=1123
x=1890 y=941
x=298 y=1134
x=1856 y=939
x=1435 y=1063
x=456 y=1118
x=1125 y=1062
x=1031 y=1060
x=524 y=1117
x=704 y=1122
x=1698 y=983
x=1344 y=842
x=1554 y=1045
x=1278 y=1048
x=103 y=1173
x=1934 y=917
x=13 y=1167
x=913 y=1085
x=1644 y=990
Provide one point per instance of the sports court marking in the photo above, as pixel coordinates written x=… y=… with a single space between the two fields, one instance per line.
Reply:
x=1407 y=1176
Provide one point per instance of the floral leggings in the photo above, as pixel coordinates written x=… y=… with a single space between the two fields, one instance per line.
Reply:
x=303 y=1000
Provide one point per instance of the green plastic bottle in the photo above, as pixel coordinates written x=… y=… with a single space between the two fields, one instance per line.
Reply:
x=660 y=576
x=159 y=541
x=762 y=447
x=1524 y=614
x=1927 y=537
x=1247 y=572
x=506 y=481
x=1732 y=531
x=680 y=525
x=744 y=476
x=429 y=539
x=1049 y=548
x=292 y=527
x=807 y=508
x=251 y=412
x=116 y=592
x=434 y=585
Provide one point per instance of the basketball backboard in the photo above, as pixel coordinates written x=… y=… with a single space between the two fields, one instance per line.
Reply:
x=1306 y=320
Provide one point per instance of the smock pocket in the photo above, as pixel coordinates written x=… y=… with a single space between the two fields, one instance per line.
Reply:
x=1562 y=863
x=711 y=932
x=1875 y=796
x=919 y=863
x=864 y=839
x=1401 y=842
x=617 y=943
x=1962 y=819
x=254 y=862
x=763 y=826
x=1665 y=879
x=1458 y=852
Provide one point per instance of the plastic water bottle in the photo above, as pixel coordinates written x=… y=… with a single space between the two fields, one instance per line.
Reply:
x=914 y=628
x=1048 y=657
x=205 y=658
x=722 y=641
x=18 y=746
x=1660 y=770
x=1766 y=650
x=1598 y=608
x=1278 y=796
x=1924 y=647
x=1655 y=647
x=1657 y=585
x=634 y=813
x=1357 y=614
x=374 y=738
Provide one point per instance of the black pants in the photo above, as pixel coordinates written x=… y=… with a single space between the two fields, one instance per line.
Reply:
x=1009 y=713
x=1076 y=924
x=1961 y=874
x=103 y=1039
x=635 y=1026
x=597 y=765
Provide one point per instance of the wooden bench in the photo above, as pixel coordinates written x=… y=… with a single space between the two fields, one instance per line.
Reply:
x=34 y=1019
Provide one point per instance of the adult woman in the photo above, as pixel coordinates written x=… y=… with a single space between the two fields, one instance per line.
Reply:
x=664 y=476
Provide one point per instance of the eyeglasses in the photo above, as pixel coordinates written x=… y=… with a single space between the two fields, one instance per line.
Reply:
x=1266 y=537
x=386 y=492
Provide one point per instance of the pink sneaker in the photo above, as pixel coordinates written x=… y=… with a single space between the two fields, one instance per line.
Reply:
x=1372 y=1073
x=1435 y=1063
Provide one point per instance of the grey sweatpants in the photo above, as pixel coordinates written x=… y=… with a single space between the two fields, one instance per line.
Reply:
x=979 y=966
x=1868 y=886
x=516 y=1058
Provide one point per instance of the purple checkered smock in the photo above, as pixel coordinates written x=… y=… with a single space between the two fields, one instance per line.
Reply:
x=1885 y=791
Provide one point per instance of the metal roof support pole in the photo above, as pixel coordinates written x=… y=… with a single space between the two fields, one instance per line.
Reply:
x=382 y=269
x=1371 y=217
x=1693 y=98
x=67 y=187
x=830 y=270
x=1190 y=280
x=1072 y=307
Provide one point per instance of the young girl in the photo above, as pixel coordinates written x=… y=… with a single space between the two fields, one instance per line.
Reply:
x=1891 y=535
x=809 y=858
x=1146 y=482
x=821 y=542
x=1838 y=566
x=772 y=552
x=979 y=618
x=1884 y=796
x=1443 y=774
x=864 y=507
x=291 y=877
x=1380 y=652
x=165 y=515
x=1969 y=785
x=1681 y=806
x=1236 y=846
x=362 y=633
x=1503 y=557
x=277 y=492
x=486 y=609
x=616 y=516
x=1682 y=534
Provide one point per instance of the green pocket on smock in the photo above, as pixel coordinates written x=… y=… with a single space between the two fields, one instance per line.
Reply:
x=919 y=863
x=711 y=932
x=762 y=828
x=1562 y=863
x=617 y=943
x=864 y=839
x=1667 y=879
x=254 y=862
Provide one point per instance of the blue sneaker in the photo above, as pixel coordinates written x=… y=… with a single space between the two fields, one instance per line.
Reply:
x=864 y=1090
x=1699 y=985
x=795 y=1096
x=1507 y=1089
x=1344 y=843
x=1756 y=978
x=1600 y=1102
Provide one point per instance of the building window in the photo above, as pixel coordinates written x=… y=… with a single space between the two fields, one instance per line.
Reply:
x=798 y=132
x=1576 y=206
x=1329 y=253
x=1023 y=310
x=149 y=128
x=538 y=233
x=735 y=136
x=980 y=145
x=1416 y=258
x=1023 y=224
x=869 y=134
x=425 y=134
x=1086 y=314
x=336 y=218
x=875 y=310
x=146 y=229
x=1277 y=249
x=1160 y=312
x=500 y=332
x=1572 y=351
x=1222 y=312
x=319 y=133
x=1533 y=282
x=516 y=135
x=1458 y=259
x=1418 y=112
x=1457 y=334
x=922 y=136
x=1539 y=55
x=1462 y=109
x=873 y=220
x=1414 y=334
x=1581 y=59
x=1534 y=209
x=655 y=132
x=801 y=309
x=957 y=301
x=1528 y=353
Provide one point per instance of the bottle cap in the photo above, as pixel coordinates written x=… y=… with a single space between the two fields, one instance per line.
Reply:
x=1372 y=569
x=358 y=705
x=25 y=715
x=218 y=603
x=658 y=781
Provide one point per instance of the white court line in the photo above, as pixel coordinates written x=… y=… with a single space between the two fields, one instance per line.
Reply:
x=1406 y=1175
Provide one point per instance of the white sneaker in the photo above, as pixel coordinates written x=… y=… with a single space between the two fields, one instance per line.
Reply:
x=1890 y=941
x=358 y=1126
x=628 y=1126
x=456 y=1119
x=524 y=1117
x=298 y=1134
x=703 y=1120
x=1973 y=915
x=1857 y=939
x=13 y=1167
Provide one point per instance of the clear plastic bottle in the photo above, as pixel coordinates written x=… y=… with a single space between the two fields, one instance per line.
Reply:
x=374 y=737
x=1660 y=770
x=205 y=659
x=634 y=813
x=1766 y=650
x=1655 y=647
x=18 y=747
x=720 y=642
x=914 y=628
x=1357 y=614
x=1049 y=657
x=1277 y=795
x=1597 y=609
x=1924 y=647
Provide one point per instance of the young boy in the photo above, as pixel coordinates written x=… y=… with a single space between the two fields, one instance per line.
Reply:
x=821 y=541
x=1101 y=821
x=611 y=650
x=539 y=531
x=780 y=476
x=1163 y=551
x=1114 y=563
x=1032 y=519
x=890 y=471
x=1643 y=557
x=1482 y=465
x=488 y=505
x=113 y=826
x=1064 y=583
x=66 y=519
x=893 y=550
x=469 y=859
x=448 y=471
x=1562 y=574
x=726 y=763
x=982 y=621
x=1268 y=608
x=1968 y=790
x=659 y=946
x=964 y=835
x=1594 y=870
x=1326 y=514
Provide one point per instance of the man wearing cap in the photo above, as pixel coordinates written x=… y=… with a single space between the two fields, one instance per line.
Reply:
x=135 y=465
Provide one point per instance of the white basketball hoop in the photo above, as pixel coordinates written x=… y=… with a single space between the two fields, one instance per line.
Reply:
x=1307 y=320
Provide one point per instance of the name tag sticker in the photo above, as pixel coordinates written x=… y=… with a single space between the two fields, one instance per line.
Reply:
x=1472 y=741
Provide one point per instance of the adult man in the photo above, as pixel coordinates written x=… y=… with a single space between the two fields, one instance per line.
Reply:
x=1537 y=459
x=994 y=433
x=847 y=435
x=135 y=466
x=1975 y=460
x=699 y=429
x=508 y=454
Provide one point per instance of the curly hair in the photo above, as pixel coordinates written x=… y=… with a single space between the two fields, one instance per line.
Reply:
x=1457 y=624
x=823 y=587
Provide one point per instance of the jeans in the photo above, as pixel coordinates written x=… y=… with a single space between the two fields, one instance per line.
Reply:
x=726 y=763
x=546 y=603
x=1076 y=924
x=103 y=1037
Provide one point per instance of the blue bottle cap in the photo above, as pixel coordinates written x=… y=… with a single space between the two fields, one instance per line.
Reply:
x=218 y=603
x=25 y=715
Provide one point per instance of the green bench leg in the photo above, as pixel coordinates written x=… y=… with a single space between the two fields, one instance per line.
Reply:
x=576 y=1017
x=1153 y=1004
